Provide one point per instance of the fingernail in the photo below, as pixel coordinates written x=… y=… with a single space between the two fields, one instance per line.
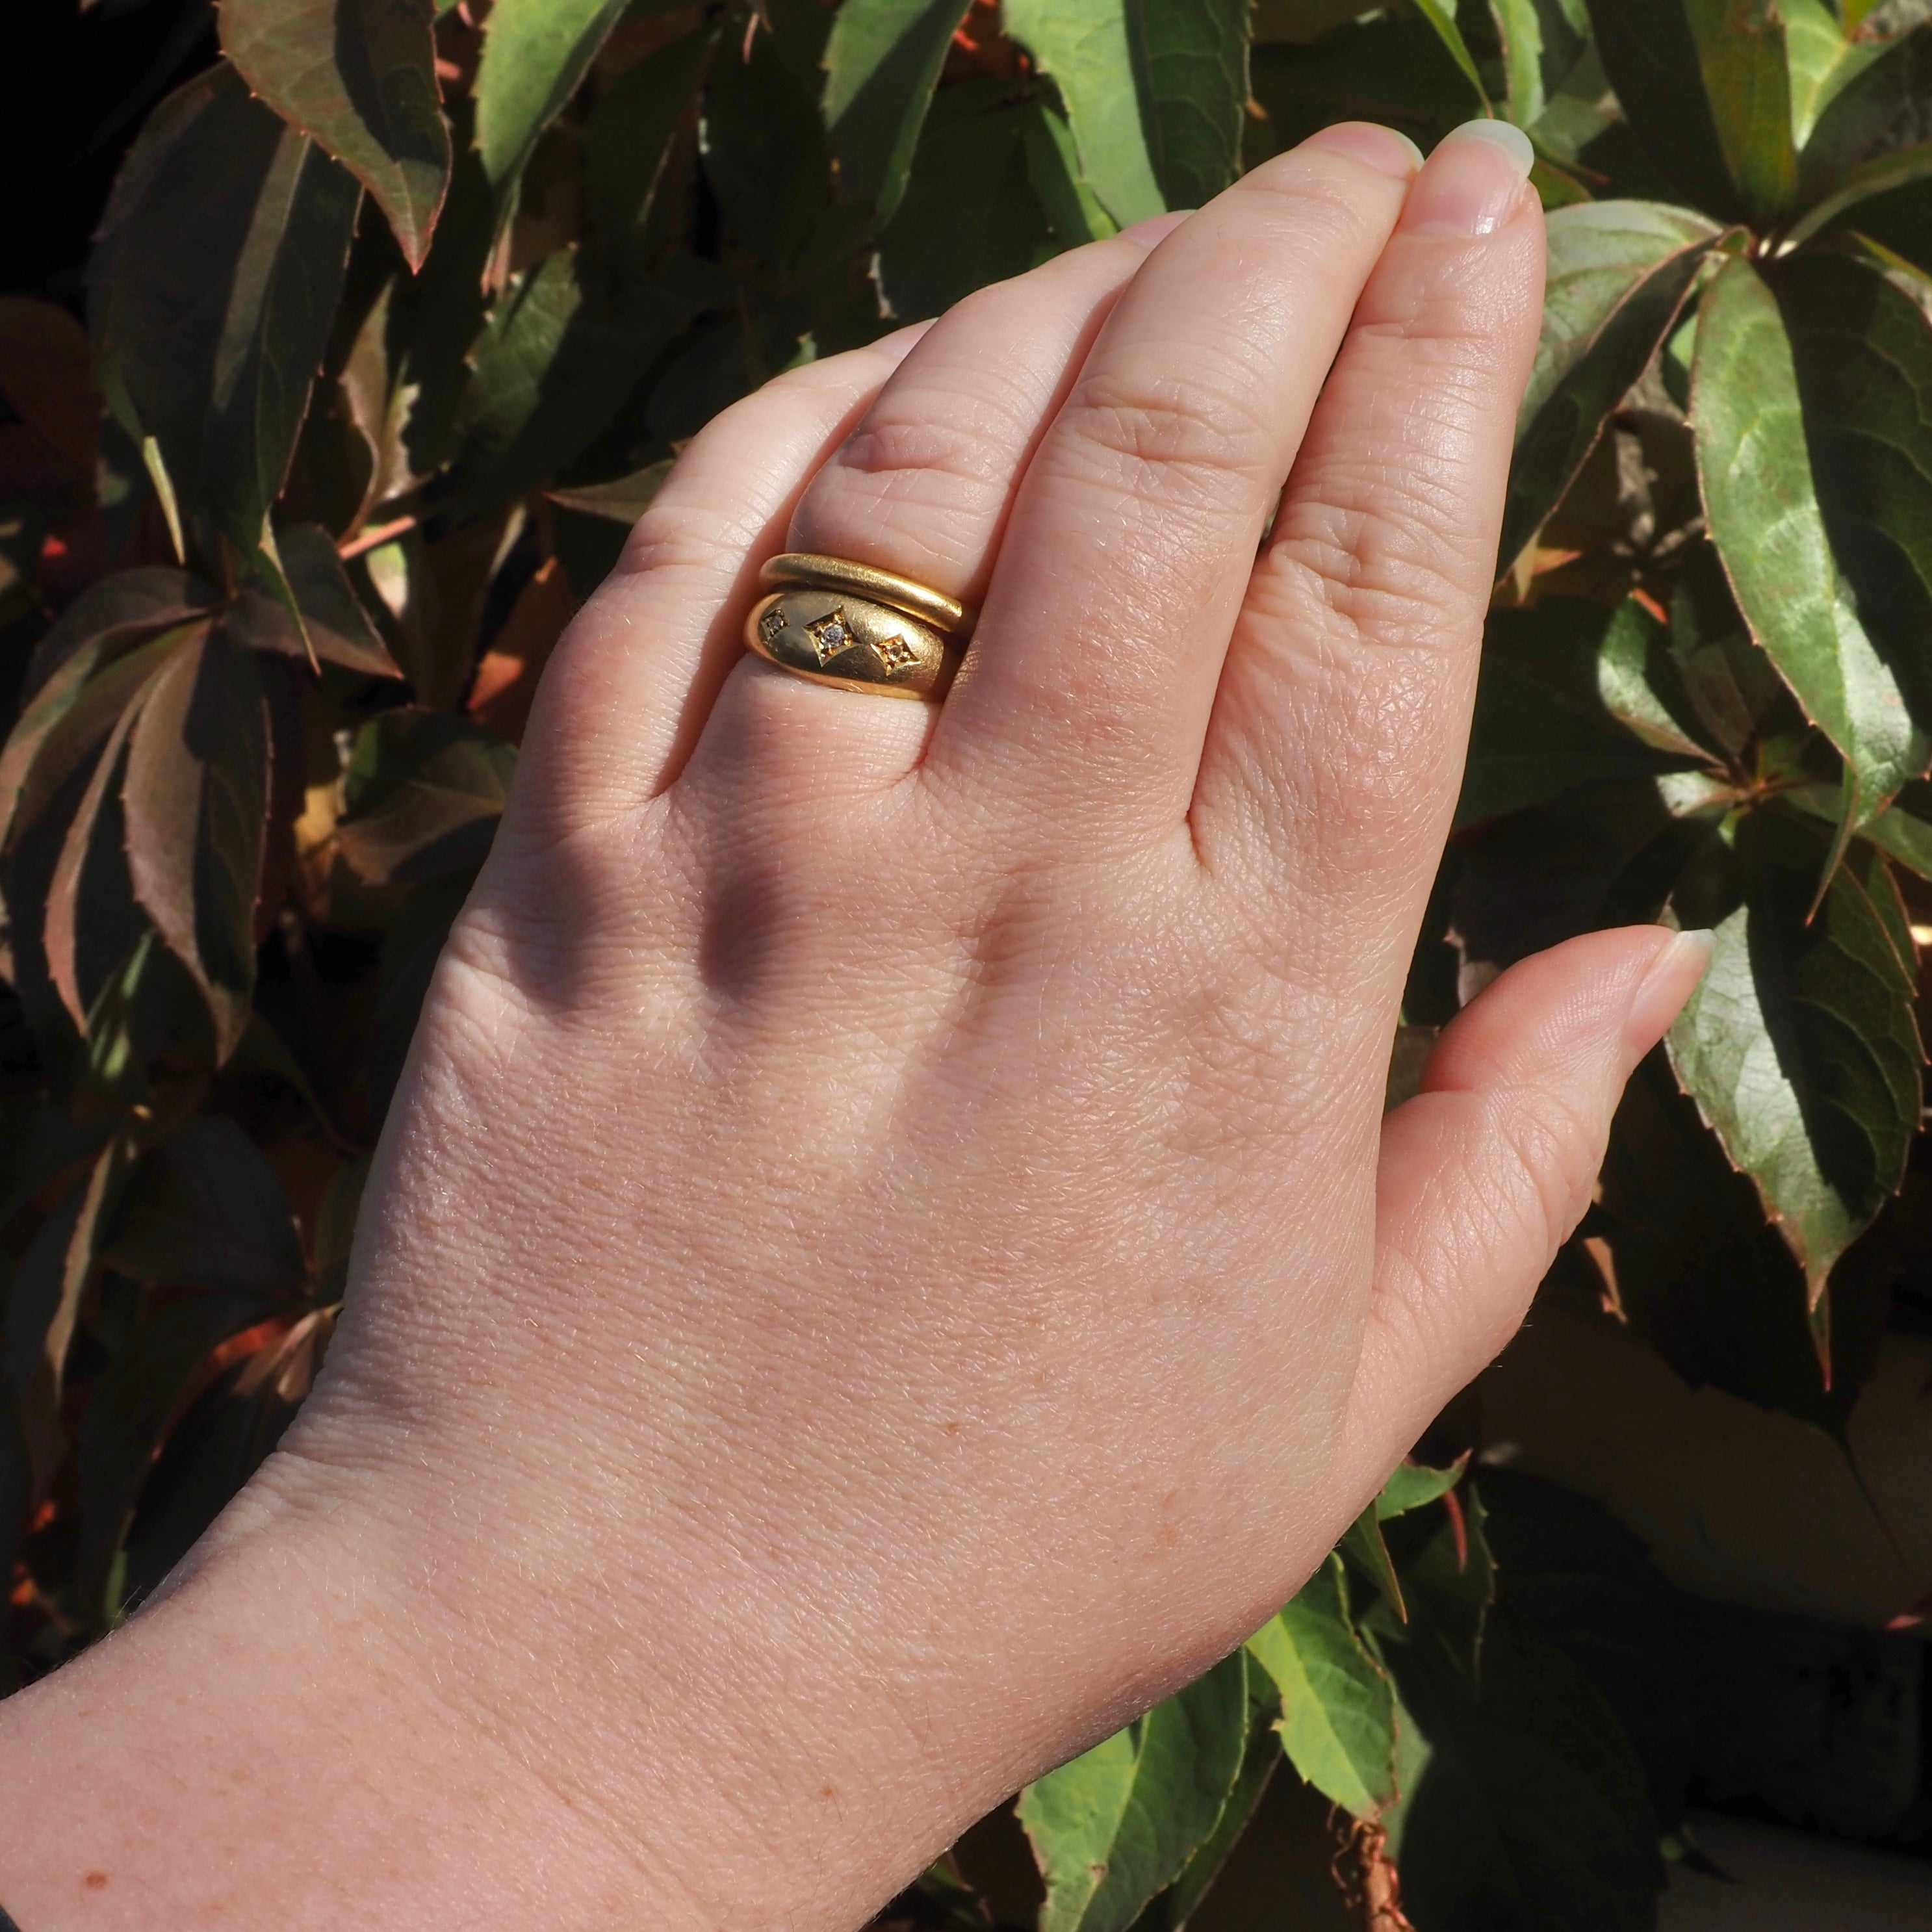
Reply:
x=1382 y=149
x=1681 y=961
x=1474 y=182
x=1156 y=228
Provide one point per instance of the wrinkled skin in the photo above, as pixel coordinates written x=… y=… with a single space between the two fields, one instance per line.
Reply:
x=888 y=1257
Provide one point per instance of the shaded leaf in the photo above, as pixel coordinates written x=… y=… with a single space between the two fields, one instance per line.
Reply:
x=629 y=139
x=1754 y=462
x=44 y=1305
x=113 y=614
x=1191 y=64
x=1384 y=68
x=551 y=368
x=195 y=799
x=534 y=52
x=623 y=500
x=1086 y=46
x=1619 y=273
x=1443 y=19
x=205 y=1210
x=1704 y=85
x=1824 y=56
x=882 y=63
x=337 y=626
x=968 y=216
x=1259 y=1762
x=47 y=377
x=212 y=286
x=153 y=1376
x=1072 y=209
x=507 y=675
x=1337 y=1722
x=421 y=795
x=1530 y=1814
x=1800 y=1047
x=1119 y=1824
x=358 y=76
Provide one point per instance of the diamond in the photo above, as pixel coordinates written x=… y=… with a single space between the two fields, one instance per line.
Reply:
x=771 y=624
x=829 y=636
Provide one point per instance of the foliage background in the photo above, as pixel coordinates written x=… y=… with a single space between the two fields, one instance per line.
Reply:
x=344 y=343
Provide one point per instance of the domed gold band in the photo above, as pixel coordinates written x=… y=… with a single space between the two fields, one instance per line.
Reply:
x=857 y=629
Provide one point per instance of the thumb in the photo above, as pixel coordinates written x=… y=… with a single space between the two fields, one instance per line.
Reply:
x=1484 y=1174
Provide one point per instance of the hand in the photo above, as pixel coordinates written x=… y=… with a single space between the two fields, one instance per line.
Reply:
x=888 y=1257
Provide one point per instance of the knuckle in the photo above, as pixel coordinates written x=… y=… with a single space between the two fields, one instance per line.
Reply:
x=1156 y=434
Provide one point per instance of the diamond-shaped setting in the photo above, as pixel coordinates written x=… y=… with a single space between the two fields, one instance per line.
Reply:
x=895 y=653
x=771 y=624
x=830 y=635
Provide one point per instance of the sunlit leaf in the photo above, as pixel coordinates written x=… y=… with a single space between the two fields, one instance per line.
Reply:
x=212 y=288
x=1084 y=45
x=1119 y=1824
x=1337 y=1708
x=359 y=77
x=1542 y=39
x=1053 y=166
x=1824 y=55
x=1704 y=85
x=1619 y=273
x=112 y=614
x=1754 y=460
x=534 y=52
x=1876 y=101
x=1800 y=1046
x=881 y=65
x=195 y=799
x=1260 y=1761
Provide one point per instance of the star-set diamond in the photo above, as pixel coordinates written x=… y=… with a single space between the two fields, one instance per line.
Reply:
x=829 y=635
x=771 y=624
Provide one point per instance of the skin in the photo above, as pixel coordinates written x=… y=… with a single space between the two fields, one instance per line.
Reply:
x=889 y=1257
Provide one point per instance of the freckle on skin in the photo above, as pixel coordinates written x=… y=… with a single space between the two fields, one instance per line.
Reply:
x=826 y=1791
x=94 y=1881
x=952 y=1428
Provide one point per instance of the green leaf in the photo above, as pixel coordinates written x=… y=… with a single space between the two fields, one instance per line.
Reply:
x=1259 y=1761
x=1086 y=46
x=212 y=288
x=623 y=500
x=552 y=367
x=1443 y=19
x=1191 y=64
x=1800 y=1047
x=1415 y=1485
x=1619 y=273
x=968 y=216
x=1542 y=41
x=1705 y=86
x=1823 y=57
x=1754 y=462
x=1383 y=68
x=196 y=799
x=336 y=625
x=421 y=795
x=1876 y=102
x=881 y=65
x=1053 y=167
x=1119 y=1824
x=1337 y=1721
x=534 y=52
x=357 y=76
x=1900 y=835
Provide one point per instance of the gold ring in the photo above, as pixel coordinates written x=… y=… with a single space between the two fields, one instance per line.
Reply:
x=846 y=624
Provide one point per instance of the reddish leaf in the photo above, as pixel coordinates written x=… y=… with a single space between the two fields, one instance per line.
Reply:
x=338 y=627
x=196 y=800
x=119 y=609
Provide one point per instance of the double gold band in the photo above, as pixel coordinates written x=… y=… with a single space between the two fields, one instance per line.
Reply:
x=846 y=624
